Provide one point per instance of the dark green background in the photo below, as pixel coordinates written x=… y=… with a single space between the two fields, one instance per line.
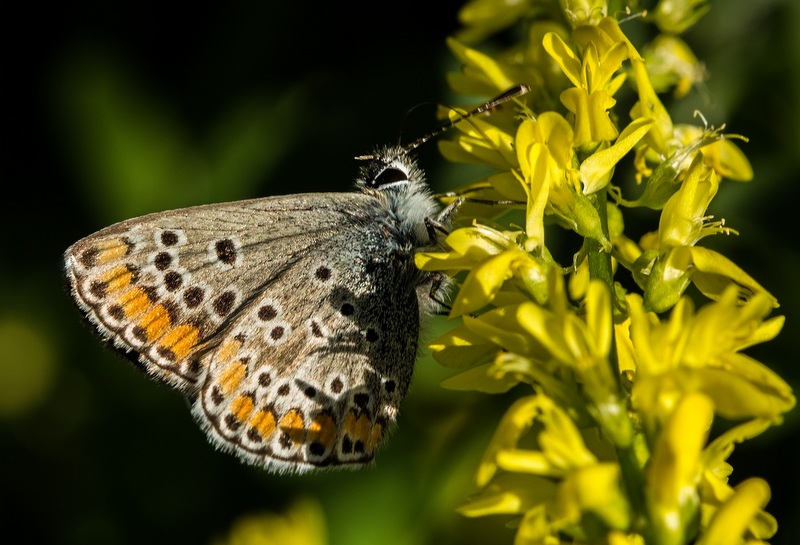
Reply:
x=114 y=110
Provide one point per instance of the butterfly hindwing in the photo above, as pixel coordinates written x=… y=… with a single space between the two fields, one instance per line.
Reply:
x=312 y=371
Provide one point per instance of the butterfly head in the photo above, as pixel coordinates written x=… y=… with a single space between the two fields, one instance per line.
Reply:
x=390 y=169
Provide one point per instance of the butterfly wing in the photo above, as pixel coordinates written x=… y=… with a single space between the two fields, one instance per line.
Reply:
x=312 y=372
x=290 y=322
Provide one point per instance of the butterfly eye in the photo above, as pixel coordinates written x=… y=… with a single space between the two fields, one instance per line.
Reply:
x=389 y=176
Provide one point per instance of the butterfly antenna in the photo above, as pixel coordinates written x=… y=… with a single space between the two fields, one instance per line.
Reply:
x=496 y=102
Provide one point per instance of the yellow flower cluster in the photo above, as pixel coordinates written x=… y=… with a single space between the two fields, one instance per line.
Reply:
x=613 y=442
x=302 y=523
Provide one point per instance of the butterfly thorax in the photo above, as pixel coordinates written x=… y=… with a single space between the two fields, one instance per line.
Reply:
x=408 y=212
x=393 y=178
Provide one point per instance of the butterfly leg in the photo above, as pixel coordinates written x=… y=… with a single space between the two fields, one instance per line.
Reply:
x=440 y=225
x=438 y=293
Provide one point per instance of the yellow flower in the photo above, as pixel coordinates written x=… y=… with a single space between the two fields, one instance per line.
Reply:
x=677 y=261
x=683 y=220
x=613 y=446
x=549 y=345
x=674 y=471
x=556 y=483
x=687 y=480
x=649 y=106
x=584 y=12
x=670 y=63
x=303 y=523
x=582 y=344
x=592 y=95
x=739 y=516
x=481 y=142
x=551 y=183
x=484 y=17
x=700 y=352
x=499 y=268
x=675 y=16
x=595 y=172
x=483 y=74
x=718 y=151
x=717 y=495
x=688 y=143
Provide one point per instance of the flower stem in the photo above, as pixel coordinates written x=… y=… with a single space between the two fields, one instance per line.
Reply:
x=633 y=482
x=599 y=260
x=600 y=267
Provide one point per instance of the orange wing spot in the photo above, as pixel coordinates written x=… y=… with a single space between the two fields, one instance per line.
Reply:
x=363 y=428
x=242 y=407
x=232 y=376
x=117 y=279
x=155 y=322
x=228 y=349
x=323 y=430
x=180 y=340
x=358 y=427
x=375 y=437
x=133 y=302
x=292 y=423
x=349 y=422
x=264 y=423
x=109 y=251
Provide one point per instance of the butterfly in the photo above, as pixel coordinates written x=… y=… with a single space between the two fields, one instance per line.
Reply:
x=290 y=323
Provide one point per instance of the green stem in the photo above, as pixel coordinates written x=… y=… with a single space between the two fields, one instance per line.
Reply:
x=632 y=474
x=600 y=266
x=599 y=260
x=634 y=484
